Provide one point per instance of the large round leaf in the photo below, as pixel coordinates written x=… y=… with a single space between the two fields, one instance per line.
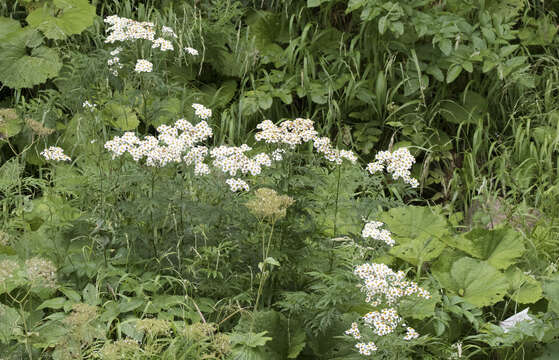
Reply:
x=476 y=281
x=415 y=222
x=23 y=63
x=62 y=18
x=500 y=248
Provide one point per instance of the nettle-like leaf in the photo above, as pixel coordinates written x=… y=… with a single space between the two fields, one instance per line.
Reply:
x=476 y=281
x=500 y=248
x=24 y=63
x=524 y=289
x=62 y=18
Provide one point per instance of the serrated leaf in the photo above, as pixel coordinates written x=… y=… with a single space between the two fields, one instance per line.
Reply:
x=62 y=18
x=20 y=70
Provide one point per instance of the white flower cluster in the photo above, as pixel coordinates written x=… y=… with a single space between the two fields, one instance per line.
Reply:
x=232 y=159
x=143 y=66
x=323 y=146
x=290 y=132
x=164 y=45
x=114 y=62
x=398 y=163
x=366 y=349
x=201 y=111
x=371 y=230
x=87 y=105
x=384 y=286
x=237 y=185
x=381 y=283
x=167 y=31
x=123 y=29
x=167 y=147
x=299 y=131
x=55 y=153
x=411 y=334
x=191 y=51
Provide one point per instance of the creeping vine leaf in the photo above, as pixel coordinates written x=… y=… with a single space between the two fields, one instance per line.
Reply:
x=62 y=18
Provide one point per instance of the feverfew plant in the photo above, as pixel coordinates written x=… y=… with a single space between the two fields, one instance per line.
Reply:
x=384 y=288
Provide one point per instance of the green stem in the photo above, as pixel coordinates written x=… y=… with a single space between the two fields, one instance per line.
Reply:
x=263 y=270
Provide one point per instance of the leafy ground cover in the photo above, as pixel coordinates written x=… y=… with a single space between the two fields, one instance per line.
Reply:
x=300 y=179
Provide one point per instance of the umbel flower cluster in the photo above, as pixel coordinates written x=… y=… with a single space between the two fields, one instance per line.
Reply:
x=384 y=288
x=268 y=204
x=127 y=30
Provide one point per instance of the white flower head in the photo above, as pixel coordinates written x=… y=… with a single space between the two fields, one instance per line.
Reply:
x=237 y=185
x=191 y=51
x=398 y=163
x=87 y=105
x=201 y=111
x=143 y=66
x=55 y=153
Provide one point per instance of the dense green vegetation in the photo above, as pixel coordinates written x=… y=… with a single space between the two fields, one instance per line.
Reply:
x=148 y=210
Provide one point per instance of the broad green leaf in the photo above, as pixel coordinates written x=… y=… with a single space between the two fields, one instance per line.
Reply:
x=500 y=248
x=315 y=3
x=477 y=282
x=62 y=18
x=8 y=26
x=9 y=323
x=10 y=123
x=296 y=342
x=415 y=222
x=90 y=295
x=248 y=103
x=121 y=116
x=54 y=303
x=524 y=289
x=551 y=293
x=10 y=171
x=418 y=308
x=446 y=46
x=453 y=73
x=419 y=250
x=23 y=63
x=250 y=339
